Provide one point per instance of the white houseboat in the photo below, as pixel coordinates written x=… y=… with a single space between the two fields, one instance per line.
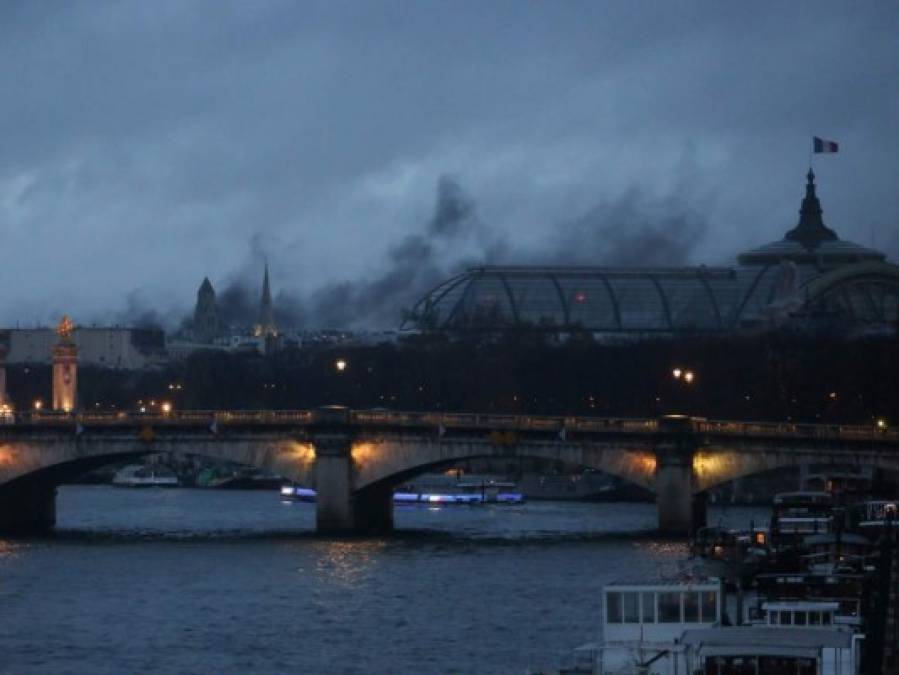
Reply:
x=682 y=628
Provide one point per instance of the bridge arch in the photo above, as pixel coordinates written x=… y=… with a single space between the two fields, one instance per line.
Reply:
x=714 y=466
x=393 y=460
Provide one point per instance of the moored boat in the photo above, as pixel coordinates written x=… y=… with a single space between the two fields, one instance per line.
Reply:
x=491 y=492
x=137 y=475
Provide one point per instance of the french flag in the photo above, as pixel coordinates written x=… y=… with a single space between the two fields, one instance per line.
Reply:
x=825 y=146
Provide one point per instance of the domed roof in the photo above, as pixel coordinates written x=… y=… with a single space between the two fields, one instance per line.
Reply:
x=811 y=241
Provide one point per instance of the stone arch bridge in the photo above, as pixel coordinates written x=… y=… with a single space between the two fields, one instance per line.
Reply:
x=355 y=458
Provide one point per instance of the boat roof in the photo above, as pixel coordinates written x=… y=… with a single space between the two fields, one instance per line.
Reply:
x=704 y=583
x=832 y=538
x=762 y=638
x=780 y=497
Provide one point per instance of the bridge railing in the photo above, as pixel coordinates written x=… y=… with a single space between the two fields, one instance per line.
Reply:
x=798 y=430
x=391 y=418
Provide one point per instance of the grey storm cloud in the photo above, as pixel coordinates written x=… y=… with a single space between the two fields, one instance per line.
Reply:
x=145 y=144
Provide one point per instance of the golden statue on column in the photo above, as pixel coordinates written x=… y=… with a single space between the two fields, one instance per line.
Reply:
x=5 y=406
x=65 y=367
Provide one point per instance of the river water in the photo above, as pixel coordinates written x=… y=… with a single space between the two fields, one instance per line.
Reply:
x=196 y=581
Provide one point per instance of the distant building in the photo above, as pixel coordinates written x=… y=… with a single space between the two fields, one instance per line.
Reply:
x=114 y=347
x=810 y=281
x=206 y=325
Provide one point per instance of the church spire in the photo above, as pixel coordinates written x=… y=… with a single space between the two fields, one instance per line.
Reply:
x=811 y=229
x=266 y=326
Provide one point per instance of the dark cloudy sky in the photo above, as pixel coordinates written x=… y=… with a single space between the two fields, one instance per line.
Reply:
x=147 y=144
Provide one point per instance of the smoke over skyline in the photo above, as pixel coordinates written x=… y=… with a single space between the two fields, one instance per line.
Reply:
x=146 y=149
x=632 y=230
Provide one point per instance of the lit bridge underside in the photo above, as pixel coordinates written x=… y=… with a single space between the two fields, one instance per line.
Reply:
x=355 y=458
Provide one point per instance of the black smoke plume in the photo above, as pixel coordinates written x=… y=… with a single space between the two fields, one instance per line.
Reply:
x=633 y=230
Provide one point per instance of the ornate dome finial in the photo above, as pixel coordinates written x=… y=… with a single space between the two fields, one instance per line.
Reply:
x=811 y=230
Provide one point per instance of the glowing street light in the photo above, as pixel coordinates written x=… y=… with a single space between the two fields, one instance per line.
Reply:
x=340 y=365
x=166 y=408
x=688 y=377
x=38 y=404
x=881 y=424
x=677 y=372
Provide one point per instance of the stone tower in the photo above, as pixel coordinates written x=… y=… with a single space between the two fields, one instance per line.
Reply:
x=206 y=319
x=266 y=326
x=65 y=367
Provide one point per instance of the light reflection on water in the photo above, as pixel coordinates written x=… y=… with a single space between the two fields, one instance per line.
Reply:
x=237 y=582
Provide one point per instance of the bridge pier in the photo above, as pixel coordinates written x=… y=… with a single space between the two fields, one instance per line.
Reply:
x=338 y=509
x=27 y=508
x=334 y=483
x=679 y=512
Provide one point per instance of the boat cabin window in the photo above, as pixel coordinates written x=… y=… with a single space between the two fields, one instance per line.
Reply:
x=691 y=607
x=662 y=607
x=613 y=607
x=630 y=607
x=799 y=618
x=649 y=607
x=709 y=606
x=623 y=607
x=669 y=607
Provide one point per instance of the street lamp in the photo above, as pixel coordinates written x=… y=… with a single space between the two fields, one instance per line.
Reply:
x=686 y=377
x=340 y=365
